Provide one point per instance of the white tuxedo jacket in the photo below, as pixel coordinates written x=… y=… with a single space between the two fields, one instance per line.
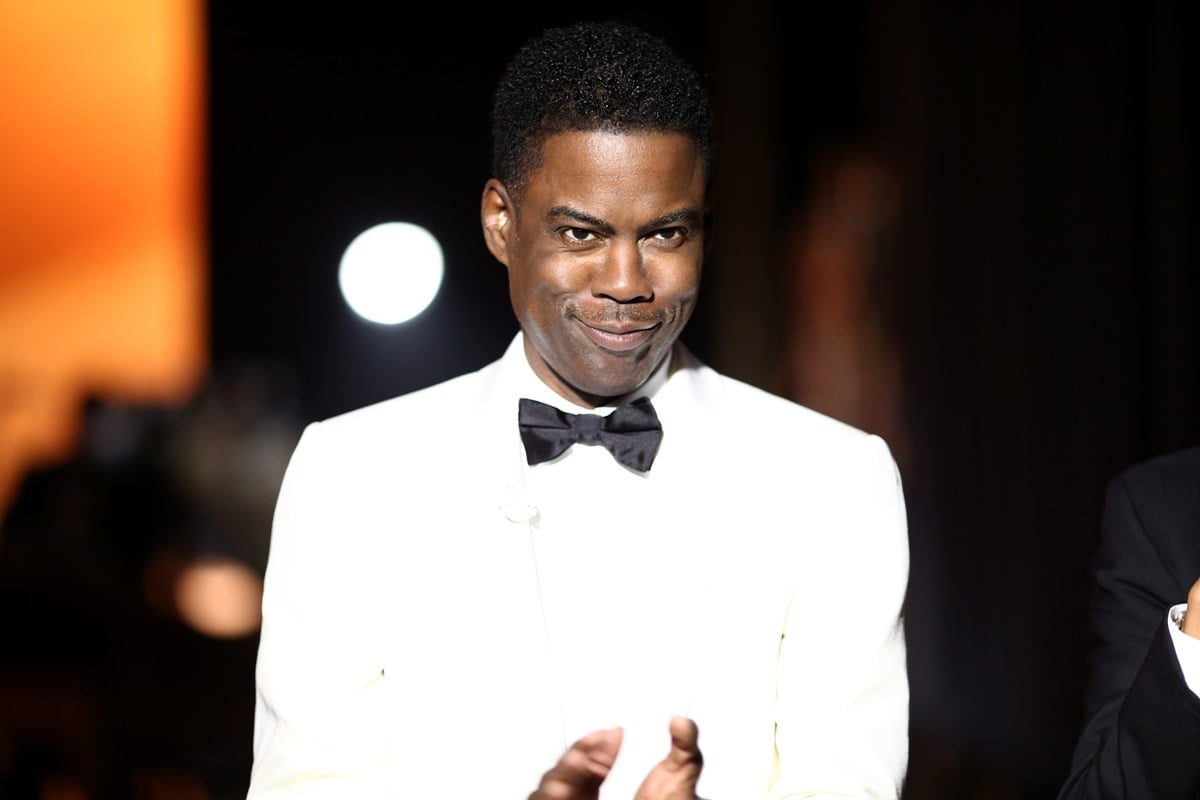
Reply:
x=441 y=620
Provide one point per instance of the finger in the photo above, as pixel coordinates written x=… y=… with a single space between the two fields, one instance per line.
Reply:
x=582 y=768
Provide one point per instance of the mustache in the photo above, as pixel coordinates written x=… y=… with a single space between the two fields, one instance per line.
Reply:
x=617 y=314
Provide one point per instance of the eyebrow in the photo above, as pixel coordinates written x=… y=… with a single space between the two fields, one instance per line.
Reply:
x=689 y=215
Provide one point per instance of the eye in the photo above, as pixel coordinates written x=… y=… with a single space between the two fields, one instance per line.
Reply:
x=578 y=235
x=670 y=236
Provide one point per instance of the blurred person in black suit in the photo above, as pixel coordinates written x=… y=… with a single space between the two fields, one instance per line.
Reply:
x=1141 y=735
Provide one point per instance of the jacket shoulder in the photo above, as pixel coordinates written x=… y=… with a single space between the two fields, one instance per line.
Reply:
x=1171 y=480
x=770 y=415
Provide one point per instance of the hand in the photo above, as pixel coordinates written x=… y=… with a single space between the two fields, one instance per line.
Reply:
x=581 y=770
x=585 y=765
x=675 y=777
x=1191 y=619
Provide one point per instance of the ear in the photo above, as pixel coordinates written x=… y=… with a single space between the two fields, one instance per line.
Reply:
x=499 y=218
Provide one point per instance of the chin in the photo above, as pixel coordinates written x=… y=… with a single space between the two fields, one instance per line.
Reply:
x=614 y=388
x=608 y=376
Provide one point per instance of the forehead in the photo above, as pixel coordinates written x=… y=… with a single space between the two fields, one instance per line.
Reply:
x=628 y=168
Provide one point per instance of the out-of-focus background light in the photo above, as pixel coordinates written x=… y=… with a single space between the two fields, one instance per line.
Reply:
x=102 y=275
x=219 y=596
x=391 y=272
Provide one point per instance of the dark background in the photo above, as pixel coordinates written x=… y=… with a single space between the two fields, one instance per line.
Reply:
x=1038 y=288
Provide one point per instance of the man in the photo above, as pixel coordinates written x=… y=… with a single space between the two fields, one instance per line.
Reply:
x=1141 y=738
x=462 y=603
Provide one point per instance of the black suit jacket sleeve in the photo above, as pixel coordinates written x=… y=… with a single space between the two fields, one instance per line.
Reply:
x=1141 y=737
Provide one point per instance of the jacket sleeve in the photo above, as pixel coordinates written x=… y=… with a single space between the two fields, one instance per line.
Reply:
x=1141 y=727
x=842 y=693
x=319 y=719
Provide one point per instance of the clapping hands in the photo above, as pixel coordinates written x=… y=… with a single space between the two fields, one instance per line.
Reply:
x=583 y=768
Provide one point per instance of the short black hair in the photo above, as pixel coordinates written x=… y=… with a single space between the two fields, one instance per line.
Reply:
x=606 y=75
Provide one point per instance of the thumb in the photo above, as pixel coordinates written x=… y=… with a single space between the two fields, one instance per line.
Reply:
x=676 y=776
x=685 y=743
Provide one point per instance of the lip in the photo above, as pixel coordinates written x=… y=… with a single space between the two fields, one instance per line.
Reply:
x=617 y=340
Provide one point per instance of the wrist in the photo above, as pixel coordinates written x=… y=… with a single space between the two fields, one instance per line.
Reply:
x=1190 y=625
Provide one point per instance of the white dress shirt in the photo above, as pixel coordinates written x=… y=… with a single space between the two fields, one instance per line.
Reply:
x=1187 y=648
x=611 y=585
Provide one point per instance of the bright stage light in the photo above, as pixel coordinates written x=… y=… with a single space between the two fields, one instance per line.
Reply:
x=391 y=272
x=219 y=597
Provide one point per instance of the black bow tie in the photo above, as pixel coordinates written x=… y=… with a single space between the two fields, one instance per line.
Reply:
x=631 y=433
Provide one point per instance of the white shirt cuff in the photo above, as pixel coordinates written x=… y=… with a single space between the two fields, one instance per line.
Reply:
x=1187 y=648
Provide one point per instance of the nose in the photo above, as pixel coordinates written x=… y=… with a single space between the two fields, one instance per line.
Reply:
x=623 y=275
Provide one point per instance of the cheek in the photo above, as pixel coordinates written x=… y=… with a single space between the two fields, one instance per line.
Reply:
x=536 y=305
x=679 y=285
x=526 y=285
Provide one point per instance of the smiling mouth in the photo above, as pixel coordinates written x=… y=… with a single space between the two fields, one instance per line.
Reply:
x=618 y=340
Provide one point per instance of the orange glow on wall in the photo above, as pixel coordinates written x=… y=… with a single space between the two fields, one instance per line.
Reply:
x=102 y=288
x=841 y=358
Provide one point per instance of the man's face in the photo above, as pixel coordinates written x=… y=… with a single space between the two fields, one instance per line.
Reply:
x=604 y=255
